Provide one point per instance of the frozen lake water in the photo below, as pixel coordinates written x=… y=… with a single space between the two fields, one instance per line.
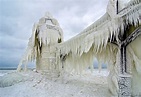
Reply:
x=3 y=72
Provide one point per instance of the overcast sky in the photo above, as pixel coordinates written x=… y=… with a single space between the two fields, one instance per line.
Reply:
x=18 y=16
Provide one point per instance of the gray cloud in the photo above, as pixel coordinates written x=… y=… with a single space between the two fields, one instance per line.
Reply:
x=18 y=16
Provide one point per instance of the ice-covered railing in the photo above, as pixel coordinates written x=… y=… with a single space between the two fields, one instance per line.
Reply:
x=94 y=40
x=102 y=40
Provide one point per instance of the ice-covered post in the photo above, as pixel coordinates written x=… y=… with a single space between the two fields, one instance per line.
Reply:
x=124 y=78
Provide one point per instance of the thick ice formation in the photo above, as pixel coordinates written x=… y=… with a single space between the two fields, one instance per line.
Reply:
x=46 y=34
x=94 y=41
x=11 y=79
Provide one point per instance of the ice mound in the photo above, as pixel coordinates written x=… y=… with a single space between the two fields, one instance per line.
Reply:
x=11 y=79
x=54 y=84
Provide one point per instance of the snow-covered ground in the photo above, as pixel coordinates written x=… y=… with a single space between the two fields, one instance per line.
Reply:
x=33 y=84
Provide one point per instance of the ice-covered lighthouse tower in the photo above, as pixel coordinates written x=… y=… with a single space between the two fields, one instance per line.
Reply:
x=46 y=34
